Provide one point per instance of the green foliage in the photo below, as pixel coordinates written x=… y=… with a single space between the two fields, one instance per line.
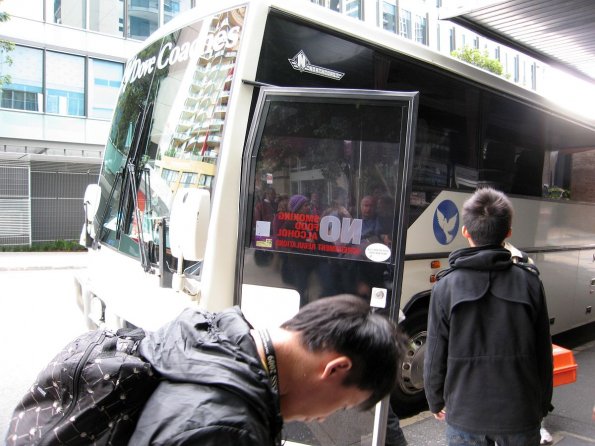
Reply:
x=478 y=58
x=557 y=193
x=57 y=245
x=5 y=48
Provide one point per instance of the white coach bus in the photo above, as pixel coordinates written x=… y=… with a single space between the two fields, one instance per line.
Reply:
x=269 y=153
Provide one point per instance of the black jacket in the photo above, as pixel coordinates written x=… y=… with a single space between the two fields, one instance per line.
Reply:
x=215 y=390
x=489 y=353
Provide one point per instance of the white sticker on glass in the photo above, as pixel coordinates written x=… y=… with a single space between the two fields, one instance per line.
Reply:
x=378 y=298
x=377 y=252
x=263 y=228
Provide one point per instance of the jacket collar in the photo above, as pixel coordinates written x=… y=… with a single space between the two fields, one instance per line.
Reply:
x=481 y=258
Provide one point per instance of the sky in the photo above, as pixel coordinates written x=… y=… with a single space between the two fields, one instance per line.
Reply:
x=570 y=92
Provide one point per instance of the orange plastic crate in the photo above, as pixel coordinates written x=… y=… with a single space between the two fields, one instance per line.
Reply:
x=564 y=366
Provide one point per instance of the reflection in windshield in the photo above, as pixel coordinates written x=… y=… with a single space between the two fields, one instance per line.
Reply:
x=167 y=129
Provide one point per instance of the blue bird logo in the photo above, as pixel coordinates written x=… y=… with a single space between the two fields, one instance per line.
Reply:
x=446 y=222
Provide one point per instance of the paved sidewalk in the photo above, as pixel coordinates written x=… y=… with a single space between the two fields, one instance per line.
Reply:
x=28 y=261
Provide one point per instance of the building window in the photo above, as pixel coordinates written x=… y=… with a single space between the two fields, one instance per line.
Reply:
x=172 y=8
x=389 y=13
x=421 y=30
x=452 y=39
x=188 y=179
x=335 y=5
x=24 y=92
x=65 y=84
x=170 y=176
x=107 y=16
x=497 y=53
x=524 y=72
x=534 y=76
x=405 y=24
x=516 y=68
x=70 y=12
x=353 y=8
x=476 y=42
x=105 y=79
x=205 y=181
x=143 y=18
x=20 y=100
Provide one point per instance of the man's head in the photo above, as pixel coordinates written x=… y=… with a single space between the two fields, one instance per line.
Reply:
x=385 y=206
x=487 y=217
x=299 y=204
x=362 y=347
x=270 y=194
x=367 y=207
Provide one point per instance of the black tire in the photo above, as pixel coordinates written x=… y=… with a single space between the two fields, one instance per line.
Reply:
x=408 y=397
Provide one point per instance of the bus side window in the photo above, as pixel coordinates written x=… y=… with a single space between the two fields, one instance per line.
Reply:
x=497 y=163
x=527 y=174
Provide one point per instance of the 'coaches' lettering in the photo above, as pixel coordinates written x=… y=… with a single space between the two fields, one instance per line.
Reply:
x=170 y=55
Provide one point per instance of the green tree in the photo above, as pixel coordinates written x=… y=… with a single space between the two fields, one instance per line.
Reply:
x=5 y=48
x=478 y=58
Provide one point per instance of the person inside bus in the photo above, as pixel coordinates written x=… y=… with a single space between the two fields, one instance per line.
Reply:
x=367 y=208
x=488 y=367
x=338 y=205
x=368 y=275
x=385 y=206
x=296 y=267
x=265 y=207
x=314 y=203
x=225 y=383
x=282 y=206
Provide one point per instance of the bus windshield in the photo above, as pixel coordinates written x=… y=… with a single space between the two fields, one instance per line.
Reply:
x=167 y=128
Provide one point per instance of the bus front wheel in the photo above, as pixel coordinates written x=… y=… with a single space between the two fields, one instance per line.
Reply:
x=408 y=397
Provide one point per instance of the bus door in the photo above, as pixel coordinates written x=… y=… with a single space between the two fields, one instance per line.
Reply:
x=324 y=204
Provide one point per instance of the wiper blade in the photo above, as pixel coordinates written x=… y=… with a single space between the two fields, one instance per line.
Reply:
x=144 y=257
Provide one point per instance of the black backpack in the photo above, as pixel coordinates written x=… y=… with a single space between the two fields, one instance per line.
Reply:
x=92 y=392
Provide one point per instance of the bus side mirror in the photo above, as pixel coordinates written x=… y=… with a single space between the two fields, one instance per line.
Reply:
x=90 y=206
x=189 y=223
x=91 y=201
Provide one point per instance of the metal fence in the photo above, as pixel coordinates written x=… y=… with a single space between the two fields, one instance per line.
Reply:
x=15 y=212
x=42 y=201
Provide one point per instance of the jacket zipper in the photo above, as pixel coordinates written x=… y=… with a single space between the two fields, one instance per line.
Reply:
x=75 y=391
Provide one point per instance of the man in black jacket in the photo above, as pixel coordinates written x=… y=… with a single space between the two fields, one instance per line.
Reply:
x=227 y=384
x=488 y=366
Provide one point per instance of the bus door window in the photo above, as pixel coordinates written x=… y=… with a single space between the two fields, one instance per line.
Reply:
x=335 y=167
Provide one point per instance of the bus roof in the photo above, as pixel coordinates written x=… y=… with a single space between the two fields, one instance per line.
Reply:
x=312 y=13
